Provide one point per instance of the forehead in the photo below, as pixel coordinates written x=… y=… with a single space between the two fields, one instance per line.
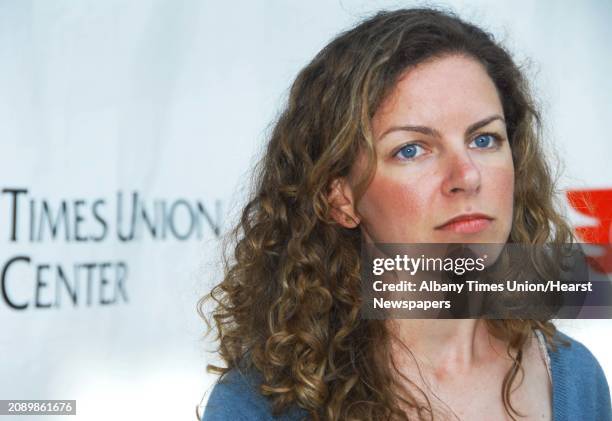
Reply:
x=444 y=92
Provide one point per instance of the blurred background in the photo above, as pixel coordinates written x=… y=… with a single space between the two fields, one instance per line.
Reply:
x=128 y=130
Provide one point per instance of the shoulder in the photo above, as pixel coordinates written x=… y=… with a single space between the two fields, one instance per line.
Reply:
x=572 y=353
x=236 y=396
x=579 y=382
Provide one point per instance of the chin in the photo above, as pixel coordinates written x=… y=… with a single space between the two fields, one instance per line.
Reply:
x=479 y=237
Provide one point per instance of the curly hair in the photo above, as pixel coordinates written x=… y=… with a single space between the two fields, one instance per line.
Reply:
x=288 y=305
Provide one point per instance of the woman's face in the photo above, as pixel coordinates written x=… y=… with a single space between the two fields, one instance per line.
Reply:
x=443 y=153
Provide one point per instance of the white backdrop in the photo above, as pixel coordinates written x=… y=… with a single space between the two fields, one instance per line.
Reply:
x=147 y=116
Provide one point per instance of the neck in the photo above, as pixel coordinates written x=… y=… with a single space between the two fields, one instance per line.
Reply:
x=450 y=345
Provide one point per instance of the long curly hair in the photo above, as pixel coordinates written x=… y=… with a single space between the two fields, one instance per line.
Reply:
x=288 y=305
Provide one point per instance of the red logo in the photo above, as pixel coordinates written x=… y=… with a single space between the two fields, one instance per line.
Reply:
x=596 y=204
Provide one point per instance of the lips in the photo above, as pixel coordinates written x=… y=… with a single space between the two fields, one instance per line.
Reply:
x=467 y=223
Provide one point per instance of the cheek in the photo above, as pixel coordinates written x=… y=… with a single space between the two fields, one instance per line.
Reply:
x=390 y=198
x=501 y=195
x=503 y=179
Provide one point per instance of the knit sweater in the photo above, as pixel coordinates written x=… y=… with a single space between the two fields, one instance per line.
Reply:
x=580 y=391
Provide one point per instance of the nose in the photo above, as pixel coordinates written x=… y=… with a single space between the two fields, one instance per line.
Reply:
x=462 y=176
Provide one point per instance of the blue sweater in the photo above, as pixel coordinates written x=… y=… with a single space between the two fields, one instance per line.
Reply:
x=580 y=391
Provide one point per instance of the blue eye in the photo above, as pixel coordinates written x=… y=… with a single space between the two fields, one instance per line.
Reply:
x=484 y=141
x=409 y=151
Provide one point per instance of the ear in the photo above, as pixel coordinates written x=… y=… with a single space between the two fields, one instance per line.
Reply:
x=340 y=197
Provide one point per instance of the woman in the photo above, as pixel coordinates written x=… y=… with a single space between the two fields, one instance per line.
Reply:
x=413 y=127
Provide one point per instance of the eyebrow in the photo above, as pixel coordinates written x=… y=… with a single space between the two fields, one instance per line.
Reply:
x=433 y=132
